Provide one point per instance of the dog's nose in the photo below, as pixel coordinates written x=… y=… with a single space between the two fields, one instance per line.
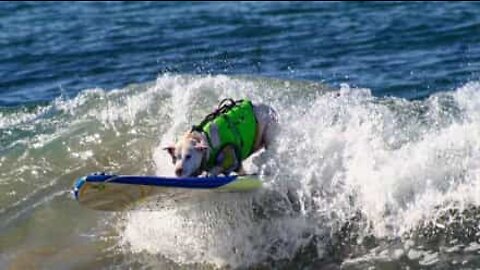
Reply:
x=178 y=171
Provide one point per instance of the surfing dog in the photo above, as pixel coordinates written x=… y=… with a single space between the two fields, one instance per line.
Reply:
x=226 y=137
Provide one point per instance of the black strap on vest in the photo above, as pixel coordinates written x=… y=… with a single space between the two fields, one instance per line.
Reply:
x=222 y=108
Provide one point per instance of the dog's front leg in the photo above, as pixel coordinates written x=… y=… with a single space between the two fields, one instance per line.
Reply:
x=215 y=170
x=236 y=165
x=227 y=161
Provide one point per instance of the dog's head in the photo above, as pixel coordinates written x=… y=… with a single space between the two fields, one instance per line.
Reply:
x=187 y=154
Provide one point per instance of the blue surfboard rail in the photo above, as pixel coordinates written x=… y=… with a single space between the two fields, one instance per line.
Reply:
x=160 y=181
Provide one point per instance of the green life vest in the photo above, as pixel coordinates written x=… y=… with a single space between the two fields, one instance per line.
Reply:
x=236 y=126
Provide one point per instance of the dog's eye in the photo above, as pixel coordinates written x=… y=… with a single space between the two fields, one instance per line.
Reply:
x=188 y=156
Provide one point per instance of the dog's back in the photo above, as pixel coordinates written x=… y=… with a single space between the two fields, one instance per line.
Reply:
x=267 y=120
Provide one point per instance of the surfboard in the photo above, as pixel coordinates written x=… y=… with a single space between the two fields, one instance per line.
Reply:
x=110 y=192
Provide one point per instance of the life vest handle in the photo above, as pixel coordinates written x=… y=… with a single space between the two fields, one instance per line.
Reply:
x=221 y=109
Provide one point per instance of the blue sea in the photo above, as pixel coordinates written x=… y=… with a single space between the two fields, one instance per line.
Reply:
x=376 y=164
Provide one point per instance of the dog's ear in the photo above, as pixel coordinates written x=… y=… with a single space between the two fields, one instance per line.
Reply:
x=171 y=150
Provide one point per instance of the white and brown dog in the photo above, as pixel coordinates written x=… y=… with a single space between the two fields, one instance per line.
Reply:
x=224 y=139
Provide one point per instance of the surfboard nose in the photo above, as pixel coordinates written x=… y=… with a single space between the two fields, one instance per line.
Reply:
x=77 y=186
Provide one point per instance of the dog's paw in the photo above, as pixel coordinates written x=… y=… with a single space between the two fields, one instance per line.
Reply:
x=205 y=174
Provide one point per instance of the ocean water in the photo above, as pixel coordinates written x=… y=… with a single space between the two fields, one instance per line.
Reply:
x=376 y=164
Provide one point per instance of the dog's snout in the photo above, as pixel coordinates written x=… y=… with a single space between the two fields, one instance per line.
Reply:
x=178 y=171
